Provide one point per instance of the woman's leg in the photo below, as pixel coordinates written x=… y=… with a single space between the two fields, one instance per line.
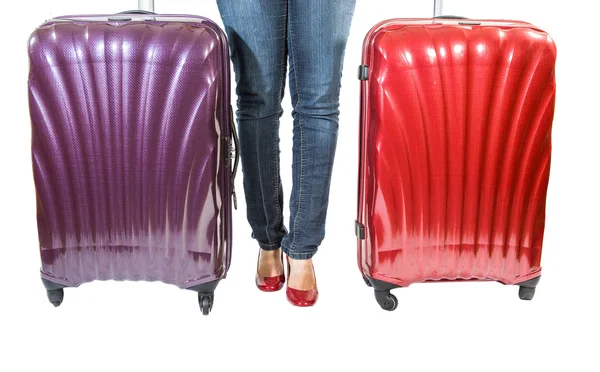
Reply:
x=317 y=35
x=257 y=33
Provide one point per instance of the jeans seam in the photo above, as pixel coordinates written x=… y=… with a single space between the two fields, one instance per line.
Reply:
x=300 y=187
x=297 y=84
x=276 y=160
x=262 y=194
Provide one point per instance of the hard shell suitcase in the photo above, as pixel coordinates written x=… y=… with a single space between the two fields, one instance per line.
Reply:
x=134 y=150
x=455 y=145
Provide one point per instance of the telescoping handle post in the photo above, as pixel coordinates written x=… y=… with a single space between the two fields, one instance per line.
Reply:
x=147 y=5
x=437 y=7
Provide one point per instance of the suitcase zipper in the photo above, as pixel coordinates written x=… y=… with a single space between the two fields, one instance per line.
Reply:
x=231 y=155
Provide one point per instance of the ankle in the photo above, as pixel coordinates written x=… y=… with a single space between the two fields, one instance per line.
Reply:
x=275 y=253
x=269 y=263
x=301 y=274
x=304 y=264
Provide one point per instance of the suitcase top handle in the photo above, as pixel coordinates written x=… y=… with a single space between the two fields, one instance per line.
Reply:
x=463 y=21
x=450 y=17
x=137 y=12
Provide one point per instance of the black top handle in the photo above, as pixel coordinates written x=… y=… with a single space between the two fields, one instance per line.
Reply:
x=450 y=17
x=137 y=12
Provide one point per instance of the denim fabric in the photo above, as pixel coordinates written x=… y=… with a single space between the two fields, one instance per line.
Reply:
x=263 y=35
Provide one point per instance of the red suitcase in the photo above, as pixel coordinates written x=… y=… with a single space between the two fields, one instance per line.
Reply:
x=455 y=145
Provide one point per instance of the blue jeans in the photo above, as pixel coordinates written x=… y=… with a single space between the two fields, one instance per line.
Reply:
x=263 y=35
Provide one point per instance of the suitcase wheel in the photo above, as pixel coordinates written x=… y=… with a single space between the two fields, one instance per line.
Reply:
x=56 y=296
x=527 y=288
x=526 y=293
x=206 y=302
x=206 y=295
x=386 y=300
x=54 y=291
x=382 y=289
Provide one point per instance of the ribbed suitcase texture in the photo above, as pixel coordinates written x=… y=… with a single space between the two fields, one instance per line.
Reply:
x=455 y=150
x=131 y=138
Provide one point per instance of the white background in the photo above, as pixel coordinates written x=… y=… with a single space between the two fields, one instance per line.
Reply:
x=110 y=326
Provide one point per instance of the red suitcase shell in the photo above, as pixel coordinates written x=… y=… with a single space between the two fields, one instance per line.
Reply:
x=455 y=145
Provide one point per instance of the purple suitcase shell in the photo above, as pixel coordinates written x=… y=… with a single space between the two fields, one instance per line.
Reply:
x=132 y=149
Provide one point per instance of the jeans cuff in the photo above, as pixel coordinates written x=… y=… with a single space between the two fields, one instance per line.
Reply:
x=298 y=255
x=270 y=246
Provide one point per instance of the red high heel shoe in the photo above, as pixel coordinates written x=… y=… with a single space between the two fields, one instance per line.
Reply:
x=299 y=297
x=270 y=283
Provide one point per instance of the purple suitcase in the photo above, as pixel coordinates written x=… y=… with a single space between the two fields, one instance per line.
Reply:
x=134 y=151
